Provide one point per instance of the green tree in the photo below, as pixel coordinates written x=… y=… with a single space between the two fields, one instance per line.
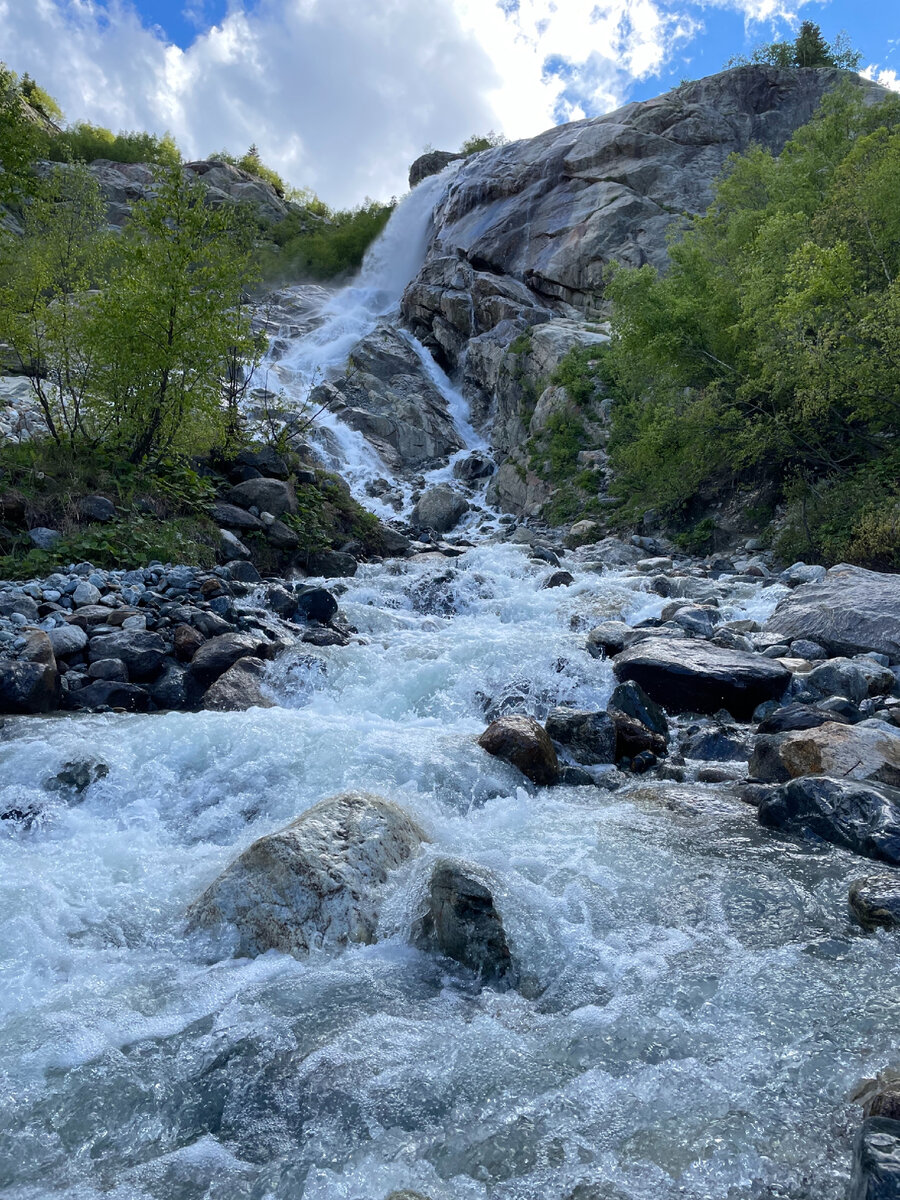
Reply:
x=483 y=141
x=808 y=49
x=22 y=140
x=172 y=323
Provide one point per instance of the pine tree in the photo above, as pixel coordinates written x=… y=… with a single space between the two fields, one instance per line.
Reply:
x=810 y=48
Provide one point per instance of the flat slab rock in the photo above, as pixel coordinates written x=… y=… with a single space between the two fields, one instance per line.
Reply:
x=867 y=751
x=690 y=676
x=315 y=882
x=851 y=611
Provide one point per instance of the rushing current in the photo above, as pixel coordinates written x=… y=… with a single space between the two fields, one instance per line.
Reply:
x=695 y=1003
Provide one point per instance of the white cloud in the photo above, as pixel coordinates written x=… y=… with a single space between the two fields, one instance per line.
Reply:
x=884 y=75
x=341 y=95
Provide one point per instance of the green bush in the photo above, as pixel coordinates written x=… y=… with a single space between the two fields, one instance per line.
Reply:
x=84 y=142
x=808 y=49
x=316 y=245
x=482 y=141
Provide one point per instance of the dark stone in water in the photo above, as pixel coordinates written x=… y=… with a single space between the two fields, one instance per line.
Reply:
x=525 y=744
x=316 y=604
x=631 y=699
x=876 y=1161
x=860 y=816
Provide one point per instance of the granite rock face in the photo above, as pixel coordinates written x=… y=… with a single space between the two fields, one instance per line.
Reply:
x=850 y=611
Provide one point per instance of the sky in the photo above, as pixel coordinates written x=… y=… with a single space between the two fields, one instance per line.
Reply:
x=341 y=95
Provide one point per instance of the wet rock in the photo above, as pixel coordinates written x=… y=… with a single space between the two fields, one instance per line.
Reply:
x=281 y=601
x=589 y=737
x=30 y=683
x=77 y=776
x=432 y=162
x=96 y=508
x=690 y=676
x=838 y=677
x=264 y=459
x=715 y=745
x=876 y=1161
x=797 y=716
x=870 y=750
x=315 y=604
x=713 y=775
x=473 y=467
x=608 y=638
x=461 y=922
x=112 y=669
x=862 y=817
x=880 y=1097
x=631 y=699
x=243 y=572
x=105 y=693
x=559 y=579
x=266 y=495
x=143 y=653
x=811 y=651
x=322 y=635
x=570 y=776
x=439 y=508
x=875 y=902
x=332 y=564
x=187 y=641
x=175 y=688
x=634 y=738
x=851 y=611
x=525 y=744
x=239 y=688
x=316 y=882
x=215 y=656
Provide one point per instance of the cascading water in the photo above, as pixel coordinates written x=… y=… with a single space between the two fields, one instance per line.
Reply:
x=694 y=1008
x=350 y=315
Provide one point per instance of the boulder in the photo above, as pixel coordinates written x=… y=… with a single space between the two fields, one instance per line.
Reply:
x=230 y=516
x=589 y=737
x=44 y=538
x=461 y=922
x=67 y=639
x=869 y=751
x=473 y=467
x=332 y=564
x=690 y=676
x=107 y=693
x=633 y=738
x=86 y=595
x=525 y=744
x=281 y=536
x=432 y=162
x=631 y=699
x=851 y=611
x=316 y=882
x=608 y=638
x=216 y=655
x=239 y=688
x=838 y=677
x=862 y=817
x=30 y=683
x=559 y=579
x=77 y=776
x=232 y=549
x=96 y=508
x=264 y=459
x=175 y=688
x=187 y=641
x=875 y=903
x=18 y=602
x=439 y=508
x=715 y=745
x=267 y=495
x=315 y=604
x=876 y=1161
x=797 y=716
x=142 y=652
x=111 y=669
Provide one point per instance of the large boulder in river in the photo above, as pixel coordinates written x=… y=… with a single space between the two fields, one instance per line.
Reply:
x=851 y=611
x=692 y=676
x=215 y=656
x=525 y=744
x=316 y=882
x=30 y=683
x=876 y=1161
x=239 y=688
x=440 y=508
x=589 y=737
x=862 y=817
x=867 y=751
x=461 y=922
x=142 y=652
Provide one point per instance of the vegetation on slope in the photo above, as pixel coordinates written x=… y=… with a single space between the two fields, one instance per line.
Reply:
x=770 y=351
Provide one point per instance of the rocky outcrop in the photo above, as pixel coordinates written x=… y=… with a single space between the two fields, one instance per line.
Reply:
x=525 y=744
x=690 y=676
x=461 y=922
x=862 y=817
x=868 y=751
x=432 y=162
x=388 y=397
x=316 y=882
x=850 y=611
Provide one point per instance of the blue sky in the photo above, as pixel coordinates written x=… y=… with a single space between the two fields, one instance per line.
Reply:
x=340 y=95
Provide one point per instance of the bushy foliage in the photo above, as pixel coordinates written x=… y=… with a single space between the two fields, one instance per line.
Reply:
x=808 y=49
x=772 y=346
x=22 y=140
x=483 y=141
x=316 y=243
x=39 y=99
x=253 y=165
x=84 y=142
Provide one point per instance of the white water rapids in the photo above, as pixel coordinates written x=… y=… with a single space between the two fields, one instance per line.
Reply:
x=696 y=1006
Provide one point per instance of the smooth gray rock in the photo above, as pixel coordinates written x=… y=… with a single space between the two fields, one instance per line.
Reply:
x=230 y=516
x=316 y=882
x=862 y=817
x=142 y=652
x=105 y=693
x=216 y=655
x=44 y=538
x=67 y=639
x=239 y=688
x=267 y=495
x=440 y=508
x=690 y=676
x=462 y=922
x=851 y=611
x=838 y=677
x=96 y=508
x=332 y=564
x=18 y=602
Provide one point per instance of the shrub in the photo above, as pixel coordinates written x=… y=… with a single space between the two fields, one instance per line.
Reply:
x=84 y=142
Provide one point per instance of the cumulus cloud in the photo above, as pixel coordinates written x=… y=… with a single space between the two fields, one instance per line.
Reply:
x=884 y=75
x=340 y=95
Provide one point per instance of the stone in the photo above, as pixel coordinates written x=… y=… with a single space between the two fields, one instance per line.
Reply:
x=67 y=639
x=715 y=745
x=608 y=638
x=105 y=693
x=77 y=776
x=461 y=922
x=230 y=516
x=315 y=604
x=875 y=903
x=243 y=572
x=264 y=459
x=691 y=676
x=239 y=688
x=525 y=744
x=473 y=467
x=30 y=683
x=797 y=716
x=85 y=594
x=186 y=642
x=18 y=602
x=432 y=162
x=559 y=579
x=860 y=816
x=800 y=573
x=631 y=699
x=439 y=508
x=634 y=738
x=869 y=751
x=876 y=1161
x=281 y=536
x=322 y=635
x=142 y=652
x=316 y=882
x=589 y=737
x=851 y=611
x=96 y=508
x=811 y=651
x=44 y=538
x=111 y=669
x=217 y=654
x=274 y=496
x=332 y=564
x=838 y=677
x=231 y=548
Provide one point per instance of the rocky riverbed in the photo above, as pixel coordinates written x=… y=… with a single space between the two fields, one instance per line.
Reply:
x=511 y=871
